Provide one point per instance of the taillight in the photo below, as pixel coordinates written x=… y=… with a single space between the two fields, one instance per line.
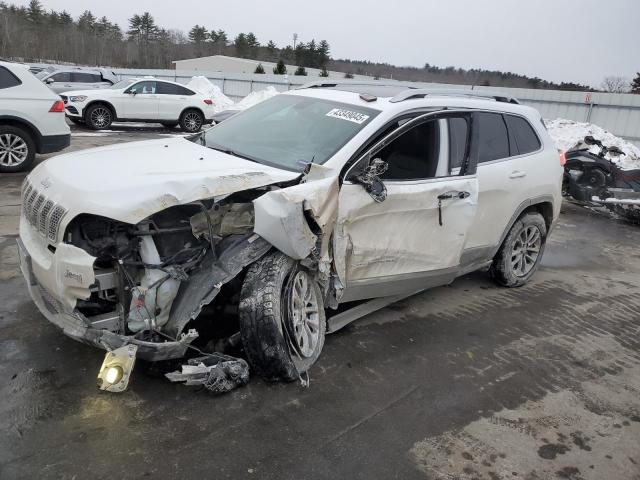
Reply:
x=563 y=159
x=57 y=107
x=208 y=101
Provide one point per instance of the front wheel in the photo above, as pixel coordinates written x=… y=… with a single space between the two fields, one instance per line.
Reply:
x=282 y=319
x=99 y=117
x=521 y=251
x=191 y=121
x=17 y=149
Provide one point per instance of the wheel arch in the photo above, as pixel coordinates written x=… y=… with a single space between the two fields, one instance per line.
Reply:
x=542 y=205
x=29 y=127
x=100 y=102
x=197 y=109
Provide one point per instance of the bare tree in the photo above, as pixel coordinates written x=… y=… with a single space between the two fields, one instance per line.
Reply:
x=615 y=85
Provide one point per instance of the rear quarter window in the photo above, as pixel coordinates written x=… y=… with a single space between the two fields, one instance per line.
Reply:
x=522 y=134
x=8 y=79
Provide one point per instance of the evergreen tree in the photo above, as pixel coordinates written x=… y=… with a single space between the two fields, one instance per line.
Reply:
x=271 y=47
x=300 y=71
x=259 y=69
x=635 y=84
x=280 y=68
x=324 y=72
x=198 y=35
x=348 y=75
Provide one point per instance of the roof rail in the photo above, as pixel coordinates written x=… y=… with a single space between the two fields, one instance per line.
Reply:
x=423 y=92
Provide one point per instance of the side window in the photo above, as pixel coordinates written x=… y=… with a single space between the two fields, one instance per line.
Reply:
x=522 y=134
x=8 y=79
x=82 y=77
x=414 y=154
x=171 y=89
x=142 y=88
x=458 y=134
x=61 y=77
x=493 y=140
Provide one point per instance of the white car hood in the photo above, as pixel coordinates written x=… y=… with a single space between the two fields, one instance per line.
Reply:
x=130 y=181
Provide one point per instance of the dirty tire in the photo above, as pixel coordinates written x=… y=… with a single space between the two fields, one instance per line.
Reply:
x=263 y=311
x=17 y=149
x=99 y=117
x=191 y=121
x=502 y=269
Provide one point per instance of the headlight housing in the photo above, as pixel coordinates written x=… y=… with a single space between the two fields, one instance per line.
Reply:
x=78 y=98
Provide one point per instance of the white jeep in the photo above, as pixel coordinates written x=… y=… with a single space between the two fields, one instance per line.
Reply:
x=288 y=220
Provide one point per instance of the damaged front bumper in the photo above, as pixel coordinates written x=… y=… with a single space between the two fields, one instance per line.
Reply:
x=75 y=325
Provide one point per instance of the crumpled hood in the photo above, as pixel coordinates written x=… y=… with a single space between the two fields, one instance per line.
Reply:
x=130 y=181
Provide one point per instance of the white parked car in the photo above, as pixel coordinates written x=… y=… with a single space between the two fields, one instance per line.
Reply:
x=64 y=79
x=31 y=119
x=140 y=100
x=269 y=221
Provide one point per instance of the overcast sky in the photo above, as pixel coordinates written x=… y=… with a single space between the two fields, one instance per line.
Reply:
x=560 y=40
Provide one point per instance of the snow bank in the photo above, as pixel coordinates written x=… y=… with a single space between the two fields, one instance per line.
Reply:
x=569 y=135
x=204 y=86
x=255 y=97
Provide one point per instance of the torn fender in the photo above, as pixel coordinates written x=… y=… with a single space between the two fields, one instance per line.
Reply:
x=280 y=215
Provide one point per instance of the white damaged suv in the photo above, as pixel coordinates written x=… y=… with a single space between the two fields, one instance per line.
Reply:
x=269 y=227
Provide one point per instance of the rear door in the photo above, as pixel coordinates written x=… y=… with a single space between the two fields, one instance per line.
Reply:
x=508 y=175
x=140 y=101
x=414 y=238
x=172 y=99
x=60 y=82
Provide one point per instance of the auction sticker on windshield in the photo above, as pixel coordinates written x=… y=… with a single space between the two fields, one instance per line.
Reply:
x=349 y=115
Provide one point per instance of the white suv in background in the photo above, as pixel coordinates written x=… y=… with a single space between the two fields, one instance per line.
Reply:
x=31 y=118
x=140 y=100
x=270 y=221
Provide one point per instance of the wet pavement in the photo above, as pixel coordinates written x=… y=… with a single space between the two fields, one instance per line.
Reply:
x=461 y=382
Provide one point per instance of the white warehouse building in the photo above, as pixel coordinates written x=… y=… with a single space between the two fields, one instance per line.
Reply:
x=222 y=63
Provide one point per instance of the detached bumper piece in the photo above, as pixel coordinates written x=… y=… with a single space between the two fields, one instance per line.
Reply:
x=217 y=373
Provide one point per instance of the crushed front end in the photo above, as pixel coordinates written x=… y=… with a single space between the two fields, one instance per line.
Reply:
x=109 y=283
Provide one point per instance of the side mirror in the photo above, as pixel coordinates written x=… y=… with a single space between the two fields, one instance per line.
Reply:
x=49 y=81
x=371 y=181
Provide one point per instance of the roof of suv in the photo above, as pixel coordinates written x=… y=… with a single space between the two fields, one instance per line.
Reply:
x=398 y=97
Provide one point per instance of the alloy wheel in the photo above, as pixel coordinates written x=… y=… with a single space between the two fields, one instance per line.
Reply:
x=305 y=315
x=526 y=250
x=100 y=117
x=192 y=121
x=13 y=150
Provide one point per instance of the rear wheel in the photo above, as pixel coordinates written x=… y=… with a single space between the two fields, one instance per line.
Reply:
x=519 y=255
x=99 y=117
x=191 y=121
x=282 y=319
x=17 y=149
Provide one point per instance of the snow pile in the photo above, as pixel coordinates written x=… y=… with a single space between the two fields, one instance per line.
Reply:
x=255 y=97
x=569 y=135
x=204 y=86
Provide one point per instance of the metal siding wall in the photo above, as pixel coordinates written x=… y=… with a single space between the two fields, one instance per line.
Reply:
x=618 y=113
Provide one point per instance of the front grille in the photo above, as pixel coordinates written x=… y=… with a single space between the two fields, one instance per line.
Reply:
x=42 y=213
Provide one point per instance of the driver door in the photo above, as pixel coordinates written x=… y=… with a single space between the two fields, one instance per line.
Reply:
x=140 y=101
x=414 y=238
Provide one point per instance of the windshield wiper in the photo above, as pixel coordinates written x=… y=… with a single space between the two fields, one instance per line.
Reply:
x=228 y=151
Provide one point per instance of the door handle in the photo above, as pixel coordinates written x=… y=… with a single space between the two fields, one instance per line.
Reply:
x=517 y=174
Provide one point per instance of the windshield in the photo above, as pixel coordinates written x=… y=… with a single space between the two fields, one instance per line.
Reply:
x=290 y=131
x=122 y=83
